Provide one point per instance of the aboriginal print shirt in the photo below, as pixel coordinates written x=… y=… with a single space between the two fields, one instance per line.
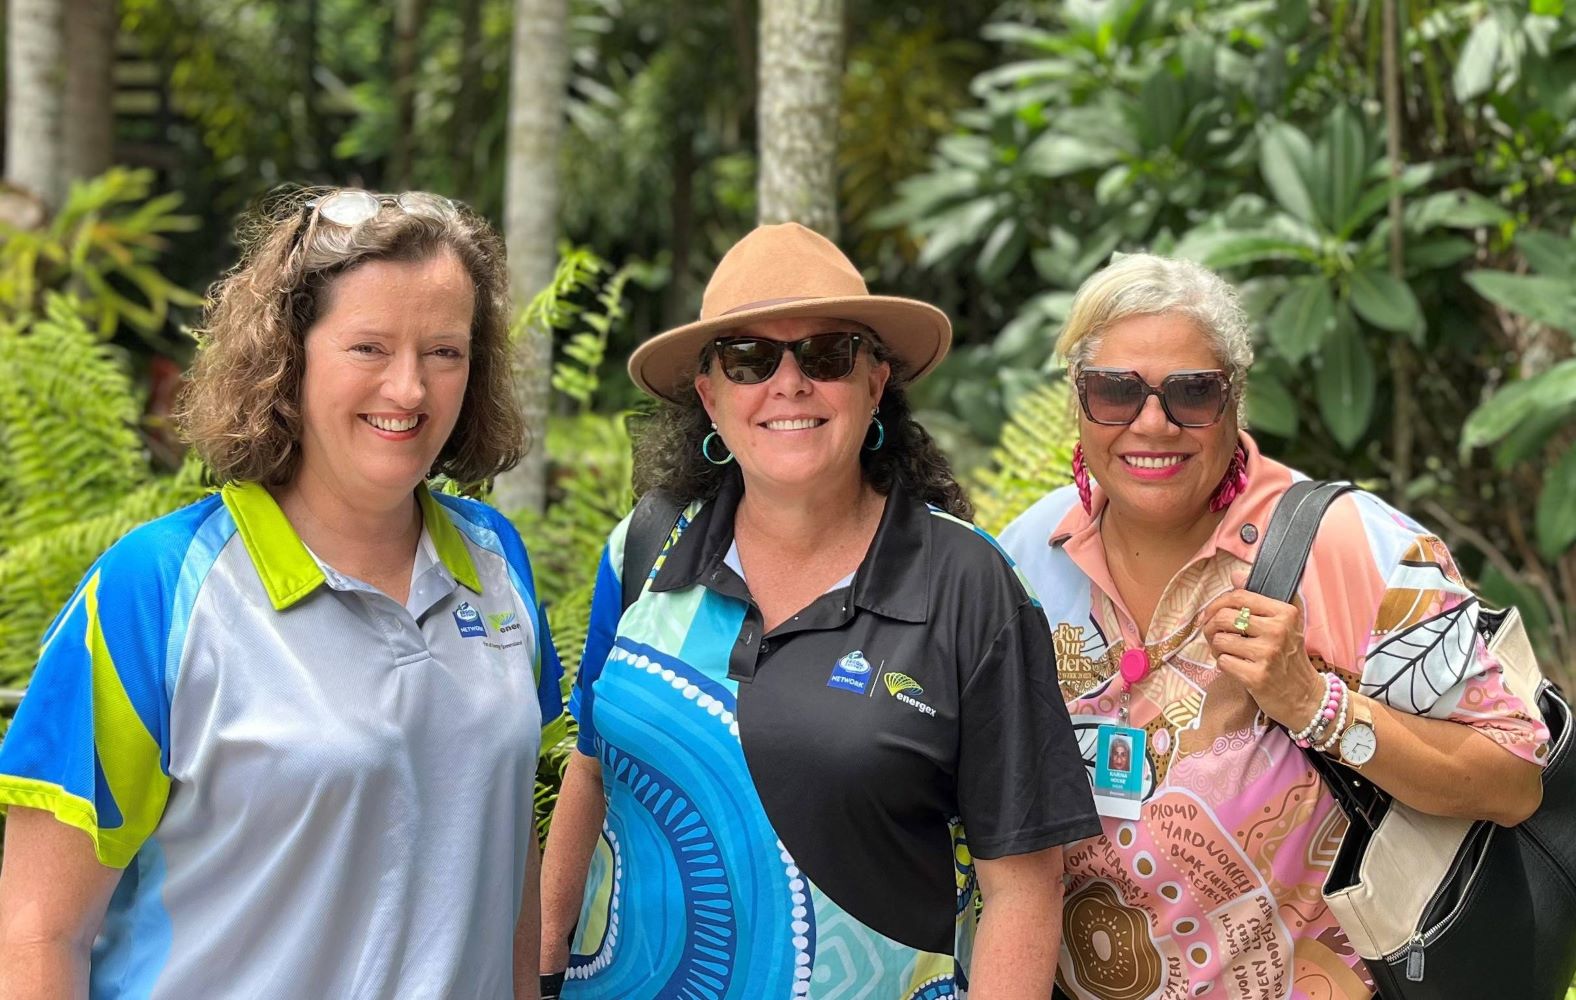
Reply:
x=793 y=814
x=1214 y=890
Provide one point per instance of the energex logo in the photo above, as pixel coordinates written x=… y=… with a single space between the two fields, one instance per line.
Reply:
x=905 y=689
x=469 y=621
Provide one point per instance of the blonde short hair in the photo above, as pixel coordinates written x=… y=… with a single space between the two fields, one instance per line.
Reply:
x=241 y=406
x=1145 y=284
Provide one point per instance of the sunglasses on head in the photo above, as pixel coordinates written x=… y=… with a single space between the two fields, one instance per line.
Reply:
x=353 y=206
x=1113 y=396
x=824 y=357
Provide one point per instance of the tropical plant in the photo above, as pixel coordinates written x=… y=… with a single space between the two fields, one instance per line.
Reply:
x=1324 y=230
x=1530 y=421
x=101 y=245
x=1034 y=456
x=74 y=474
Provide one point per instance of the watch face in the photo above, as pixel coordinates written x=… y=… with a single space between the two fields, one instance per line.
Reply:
x=1358 y=743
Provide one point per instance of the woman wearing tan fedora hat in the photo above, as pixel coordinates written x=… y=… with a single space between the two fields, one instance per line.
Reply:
x=831 y=716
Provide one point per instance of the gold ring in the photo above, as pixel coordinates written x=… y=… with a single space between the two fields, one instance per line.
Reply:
x=1243 y=618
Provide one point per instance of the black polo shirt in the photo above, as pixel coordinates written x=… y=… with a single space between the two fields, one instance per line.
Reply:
x=889 y=732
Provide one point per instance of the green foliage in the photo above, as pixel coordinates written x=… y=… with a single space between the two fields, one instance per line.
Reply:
x=1535 y=415
x=101 y=245
x=75 y=476
x=1034 y=457
x=590 y=492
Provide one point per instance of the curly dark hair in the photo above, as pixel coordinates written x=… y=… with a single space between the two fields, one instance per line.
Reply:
x=667 y=450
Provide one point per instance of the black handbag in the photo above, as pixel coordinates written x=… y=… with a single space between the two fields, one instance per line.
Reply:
x=1492 y=909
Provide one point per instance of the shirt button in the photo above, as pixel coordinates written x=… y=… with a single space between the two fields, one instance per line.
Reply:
x=766 y=645
x=1249 y=533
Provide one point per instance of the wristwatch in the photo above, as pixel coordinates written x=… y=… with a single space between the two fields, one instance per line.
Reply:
x=1359 y=741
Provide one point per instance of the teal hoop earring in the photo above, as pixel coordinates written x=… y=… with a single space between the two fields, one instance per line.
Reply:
x=880 y=433
x=705 y=448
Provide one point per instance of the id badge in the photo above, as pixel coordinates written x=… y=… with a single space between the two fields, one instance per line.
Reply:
x=1119 y=771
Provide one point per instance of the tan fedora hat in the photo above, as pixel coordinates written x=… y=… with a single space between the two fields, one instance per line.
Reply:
x=781 y=271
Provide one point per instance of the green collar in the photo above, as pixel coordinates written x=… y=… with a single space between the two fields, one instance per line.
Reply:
x=288 y=570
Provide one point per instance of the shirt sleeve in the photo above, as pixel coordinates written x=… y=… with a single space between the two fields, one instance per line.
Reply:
x=1403 y=623
x=1426 y=656
x=607 y=600
x=1022 y=785
x=89 y=742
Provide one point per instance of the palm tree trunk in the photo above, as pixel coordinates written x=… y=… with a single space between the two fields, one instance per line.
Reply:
x=801 y=66
x=89 y=126
x=35 y=97
x=539 y=79
x=408 y=18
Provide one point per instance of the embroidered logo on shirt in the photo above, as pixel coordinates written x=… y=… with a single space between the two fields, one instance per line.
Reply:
x=850 y=673
x=504 y=621
x=904 y=688
x=469 y=621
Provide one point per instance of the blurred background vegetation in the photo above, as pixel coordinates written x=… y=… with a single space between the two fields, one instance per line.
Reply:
x=1392 y=184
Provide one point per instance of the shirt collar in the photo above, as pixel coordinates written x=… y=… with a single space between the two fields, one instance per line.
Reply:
x=892 y=581
x=285 y=565
x=1238 y=533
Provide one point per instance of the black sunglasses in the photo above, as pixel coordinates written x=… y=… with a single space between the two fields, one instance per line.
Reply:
x=1113 y=396
x=825 y=357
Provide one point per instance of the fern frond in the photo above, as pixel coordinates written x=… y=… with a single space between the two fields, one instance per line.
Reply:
x=69 y=445
x=1034 y=456
x=38 y=574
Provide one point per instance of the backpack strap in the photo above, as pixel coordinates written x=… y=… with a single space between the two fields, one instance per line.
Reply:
x=1276 y=574
x=649 y=527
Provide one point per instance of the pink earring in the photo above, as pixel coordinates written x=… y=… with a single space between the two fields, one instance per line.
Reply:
x=1233 y=484
x=1081 y=477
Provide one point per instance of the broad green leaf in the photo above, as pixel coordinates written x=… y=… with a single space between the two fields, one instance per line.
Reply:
x=1545 y=299
x=1433 y=253
x=1556 y=520
x=1460 y=209
x=1527 y=438
x=1547 y=253
x=1345 y=384
x=956 y=229
x=1346 y=163
x=1475 y=67
x=1302 y=319
x=1270 y=408
x=1377 y=198
x=1285 y=160
x=1056 y=155
x=1002 y=250
x=1234 y=248
x=1386 y=302
x=1552 y=391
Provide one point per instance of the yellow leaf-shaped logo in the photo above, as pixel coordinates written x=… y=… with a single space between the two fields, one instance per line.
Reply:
x=896 y=682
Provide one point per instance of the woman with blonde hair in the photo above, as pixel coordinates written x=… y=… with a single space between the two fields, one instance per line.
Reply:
x=282 y=742
x=1207 y=879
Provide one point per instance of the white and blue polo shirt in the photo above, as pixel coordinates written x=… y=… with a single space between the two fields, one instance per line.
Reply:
x=313 y=790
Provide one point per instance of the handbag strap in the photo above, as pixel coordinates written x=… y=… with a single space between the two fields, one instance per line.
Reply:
x=649 y=527
x=1276 y=573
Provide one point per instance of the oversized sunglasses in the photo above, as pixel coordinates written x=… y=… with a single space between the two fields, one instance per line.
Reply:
x=353 y=206
x=1113 y=396
x=825 y=357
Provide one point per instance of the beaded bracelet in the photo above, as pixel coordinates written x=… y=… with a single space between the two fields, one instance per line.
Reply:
x=1337 y=730
x=1334 y=696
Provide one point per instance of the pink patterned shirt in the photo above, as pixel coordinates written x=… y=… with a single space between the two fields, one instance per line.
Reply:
x=1214 y=890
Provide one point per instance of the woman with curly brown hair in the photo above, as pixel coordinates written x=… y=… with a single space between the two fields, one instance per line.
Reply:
x=283 y=741
x=831 y=715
